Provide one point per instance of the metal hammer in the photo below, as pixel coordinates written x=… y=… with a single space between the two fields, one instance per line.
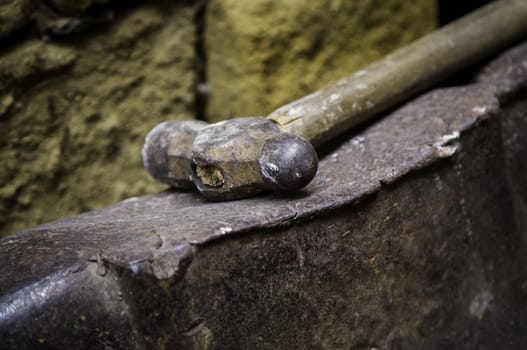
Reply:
x=242 y=157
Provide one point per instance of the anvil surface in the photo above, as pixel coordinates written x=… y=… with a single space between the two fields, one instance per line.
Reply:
x=412 y=235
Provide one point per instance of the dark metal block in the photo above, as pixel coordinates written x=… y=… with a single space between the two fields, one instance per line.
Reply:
x=412 y=235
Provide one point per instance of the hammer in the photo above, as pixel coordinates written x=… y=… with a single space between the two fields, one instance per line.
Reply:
x=242 y=157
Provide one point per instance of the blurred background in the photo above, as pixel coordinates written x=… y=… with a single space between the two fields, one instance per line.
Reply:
x=82 y=82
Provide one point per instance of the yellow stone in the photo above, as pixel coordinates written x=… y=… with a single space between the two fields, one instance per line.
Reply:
x=262 y=54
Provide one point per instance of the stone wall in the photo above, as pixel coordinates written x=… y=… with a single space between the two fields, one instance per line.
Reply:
x=262 y=54
x=81 y=83
x=78 y=94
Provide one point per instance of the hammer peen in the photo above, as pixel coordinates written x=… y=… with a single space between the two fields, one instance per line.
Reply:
x=242 y=157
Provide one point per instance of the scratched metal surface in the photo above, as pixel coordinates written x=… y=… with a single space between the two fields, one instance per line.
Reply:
x=158 y=235
x=140 y=229
x=133 y=233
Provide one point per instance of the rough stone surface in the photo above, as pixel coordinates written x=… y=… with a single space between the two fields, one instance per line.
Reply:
x=13 y=15
x=77 y=98
x=79 y=6
x=265 y=53
x=408 y=238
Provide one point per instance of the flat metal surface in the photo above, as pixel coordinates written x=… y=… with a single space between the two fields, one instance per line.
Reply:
x=144 y=247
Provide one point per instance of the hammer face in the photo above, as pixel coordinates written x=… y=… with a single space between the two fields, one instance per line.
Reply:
x=167 y=152
x=288 y=162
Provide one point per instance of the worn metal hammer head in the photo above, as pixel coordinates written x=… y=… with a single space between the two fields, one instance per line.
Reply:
x=233 y=159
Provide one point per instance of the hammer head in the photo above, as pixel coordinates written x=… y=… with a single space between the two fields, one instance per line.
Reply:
x=241 y=157
x=229 y=160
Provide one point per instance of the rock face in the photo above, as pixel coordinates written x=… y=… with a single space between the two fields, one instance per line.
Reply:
x=265 y=53
x=75 y=108
x=82 y=82
x=13 y=15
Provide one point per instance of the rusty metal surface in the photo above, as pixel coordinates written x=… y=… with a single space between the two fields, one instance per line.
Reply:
x=408 y=237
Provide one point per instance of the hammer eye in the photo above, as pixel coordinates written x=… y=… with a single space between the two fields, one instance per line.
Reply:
x=210 y=175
